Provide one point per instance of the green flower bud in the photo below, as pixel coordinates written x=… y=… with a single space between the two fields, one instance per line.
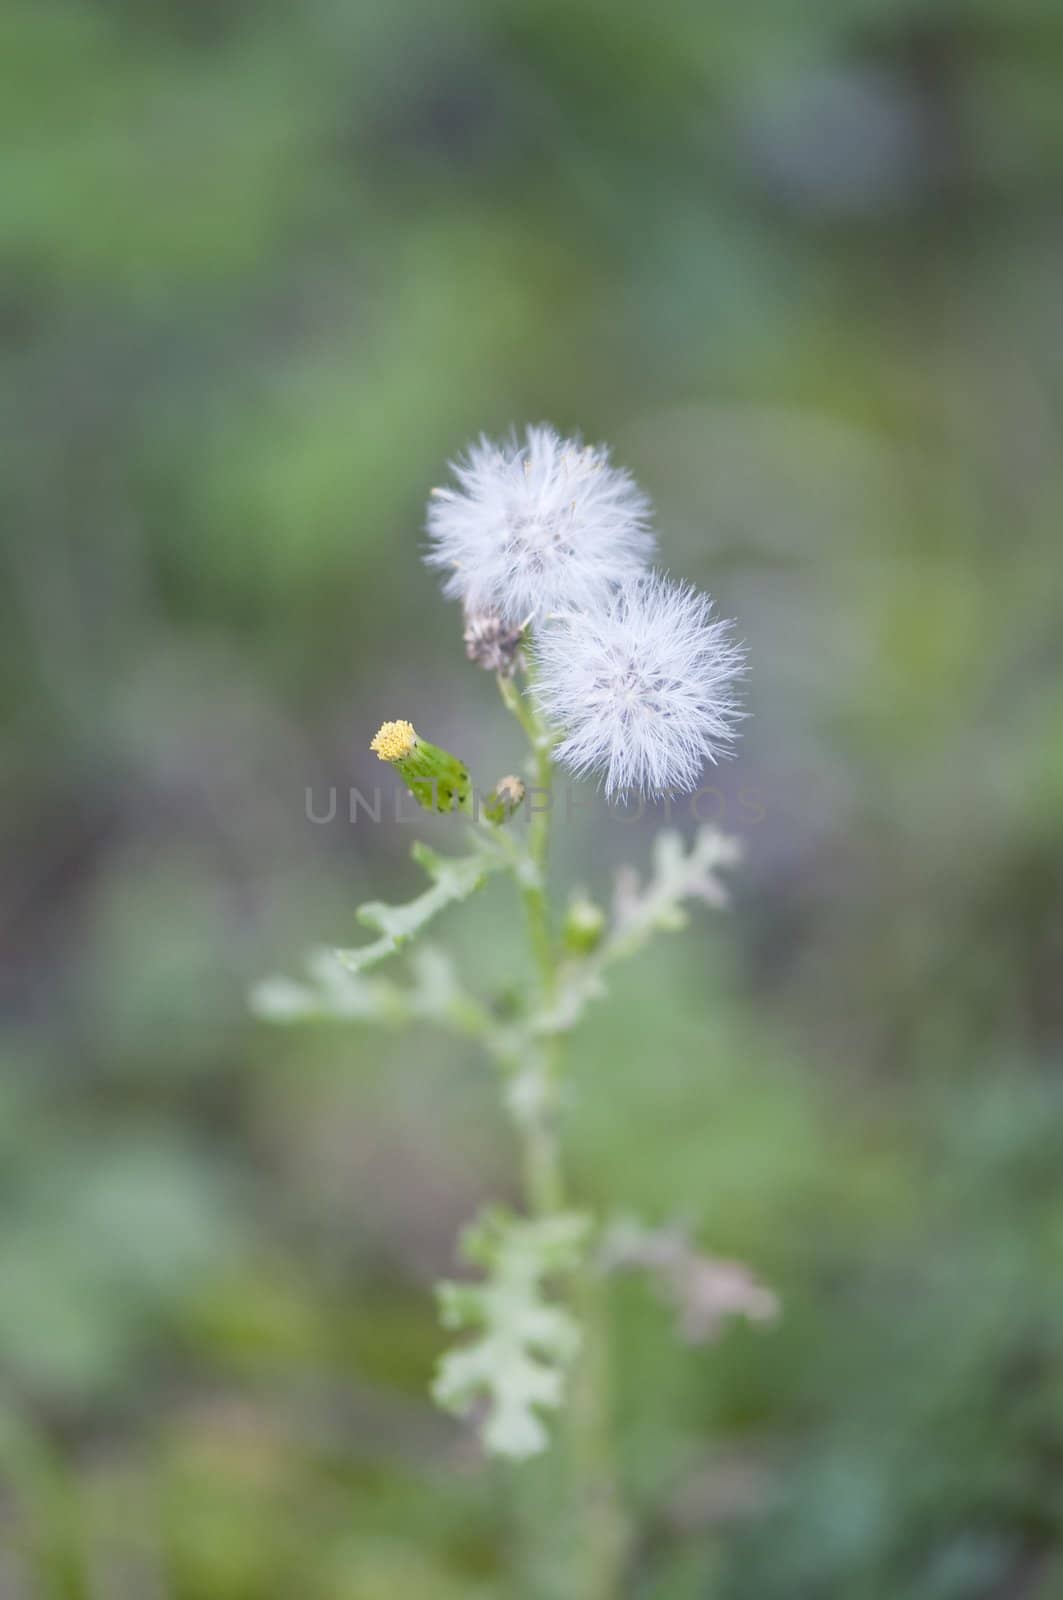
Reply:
x=436 y=779
x=584 y=925
x=505 y=797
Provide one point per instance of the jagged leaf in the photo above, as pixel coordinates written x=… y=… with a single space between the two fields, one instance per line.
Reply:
x=677 y=876
x=641 y=910
x=453 y=878
x=523 y=1343
x=329 y=991
x=704 y=1290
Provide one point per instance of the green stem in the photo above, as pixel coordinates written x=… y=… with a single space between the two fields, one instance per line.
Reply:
x=537 y=914
x=596 y=1529
x=523 y=710
x=531 y=873
x=600 y=1531
x=541 y=1157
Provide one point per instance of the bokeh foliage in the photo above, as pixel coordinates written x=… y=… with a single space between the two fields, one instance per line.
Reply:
x=262 y=268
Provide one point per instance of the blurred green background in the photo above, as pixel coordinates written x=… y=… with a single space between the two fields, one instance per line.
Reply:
x=264 y=268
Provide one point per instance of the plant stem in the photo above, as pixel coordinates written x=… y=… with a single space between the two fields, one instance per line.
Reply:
x=600 y=1532
x=542 y=1164
x=531 y=874
x=596 y=1530
x=543 y=1181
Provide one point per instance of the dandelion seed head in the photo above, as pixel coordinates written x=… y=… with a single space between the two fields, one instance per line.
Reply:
x=536 y=525
x=642 y=688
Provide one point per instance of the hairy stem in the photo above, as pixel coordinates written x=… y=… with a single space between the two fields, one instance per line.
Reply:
x=600 y=1530
x=595 y=1526
x=531 y=874
x=542 y=1162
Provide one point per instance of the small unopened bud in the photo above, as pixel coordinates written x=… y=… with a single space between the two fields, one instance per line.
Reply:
x=492 y=643
x=436 y=779
x=584 y=924
x=504 y=799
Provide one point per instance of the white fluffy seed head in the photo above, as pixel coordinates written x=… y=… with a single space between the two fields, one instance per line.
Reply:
x=642 y=688
x=537 y=525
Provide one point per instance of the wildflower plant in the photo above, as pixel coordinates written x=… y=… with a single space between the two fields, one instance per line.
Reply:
x=614 y=672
